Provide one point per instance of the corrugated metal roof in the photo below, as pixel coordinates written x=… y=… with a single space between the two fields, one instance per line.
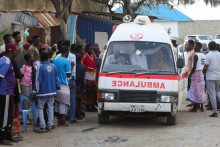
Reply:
x=34 y=17
x=26 y=19
x=162 y=12
x=46 y=19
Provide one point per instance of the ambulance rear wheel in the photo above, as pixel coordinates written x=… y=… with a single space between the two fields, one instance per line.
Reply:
x=103 y=117
x=171 y=120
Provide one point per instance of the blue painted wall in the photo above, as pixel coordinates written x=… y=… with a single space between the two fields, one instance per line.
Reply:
x=87 y=26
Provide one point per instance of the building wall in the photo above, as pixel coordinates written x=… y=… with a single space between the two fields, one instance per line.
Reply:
x=171 y=27
x=6 y=20
x=77 y=6
x=86 y=28
x=199 y=27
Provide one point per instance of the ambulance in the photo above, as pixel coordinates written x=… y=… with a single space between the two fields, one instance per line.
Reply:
x=139 y=74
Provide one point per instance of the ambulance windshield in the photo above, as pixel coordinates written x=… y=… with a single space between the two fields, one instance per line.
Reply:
x=139 y=57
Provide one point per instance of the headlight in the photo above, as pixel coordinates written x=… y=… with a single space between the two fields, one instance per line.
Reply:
x=165 y=99
x=109 y=96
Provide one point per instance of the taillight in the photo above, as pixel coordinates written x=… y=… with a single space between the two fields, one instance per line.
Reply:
x=99 y=95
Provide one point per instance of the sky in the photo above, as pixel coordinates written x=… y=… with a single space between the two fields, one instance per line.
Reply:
x=200 y=11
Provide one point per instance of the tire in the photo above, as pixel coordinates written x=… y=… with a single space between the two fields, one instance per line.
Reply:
x=103 y=118
x=171 y=120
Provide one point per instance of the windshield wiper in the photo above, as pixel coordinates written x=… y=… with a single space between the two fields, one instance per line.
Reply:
x=151 y=72
x=127 y=72
x=160 y=70
x=107 y=73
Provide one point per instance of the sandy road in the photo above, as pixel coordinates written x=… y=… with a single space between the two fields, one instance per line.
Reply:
x=193 y=129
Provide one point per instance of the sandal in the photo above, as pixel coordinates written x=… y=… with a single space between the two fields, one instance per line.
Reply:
x=189 y=105
x=41 y=130
x=48 y=130
x=5 y=142
x=214 y=115
x=192 y=110
x=73 y=121
x=202 y=110
x=17 y=138
x=63 y=125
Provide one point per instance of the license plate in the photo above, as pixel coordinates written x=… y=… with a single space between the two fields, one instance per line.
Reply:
x=137 y=108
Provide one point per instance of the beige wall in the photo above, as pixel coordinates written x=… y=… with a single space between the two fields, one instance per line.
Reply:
x=77 y=6
x=198 y=27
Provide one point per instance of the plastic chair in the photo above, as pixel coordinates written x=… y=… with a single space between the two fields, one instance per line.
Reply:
x=17 y=128
x=26 y=112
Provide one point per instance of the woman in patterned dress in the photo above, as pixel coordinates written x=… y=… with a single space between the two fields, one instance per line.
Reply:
x=196 y=92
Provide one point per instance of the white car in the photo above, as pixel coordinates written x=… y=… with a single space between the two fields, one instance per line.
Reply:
x=201 y=38
x=217 y=39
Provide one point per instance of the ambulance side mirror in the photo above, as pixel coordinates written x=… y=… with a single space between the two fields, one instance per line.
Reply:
x=105 y=46
x=180 y=63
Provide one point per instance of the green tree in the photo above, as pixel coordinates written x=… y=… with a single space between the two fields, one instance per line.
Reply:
x=131 y=6
x=2 y=33
x=213 y=3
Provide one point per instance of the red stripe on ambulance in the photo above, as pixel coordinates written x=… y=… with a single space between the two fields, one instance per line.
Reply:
x=185 y=75
x=131 y=76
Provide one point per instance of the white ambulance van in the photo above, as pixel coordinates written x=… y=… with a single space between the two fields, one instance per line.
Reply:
x=139 y=73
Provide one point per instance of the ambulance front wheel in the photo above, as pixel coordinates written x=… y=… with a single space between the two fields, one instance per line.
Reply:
x=103 y=117
x=171 y=120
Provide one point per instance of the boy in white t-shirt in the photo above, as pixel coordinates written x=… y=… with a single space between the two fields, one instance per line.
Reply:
x=196 y=92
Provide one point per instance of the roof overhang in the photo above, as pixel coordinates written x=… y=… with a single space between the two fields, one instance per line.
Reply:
x=35 y=18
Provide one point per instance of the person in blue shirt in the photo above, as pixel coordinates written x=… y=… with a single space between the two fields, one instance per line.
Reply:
x=45 y=90
x=62 y=102
x=7 y=87
x=80 y=84
x=72 y=84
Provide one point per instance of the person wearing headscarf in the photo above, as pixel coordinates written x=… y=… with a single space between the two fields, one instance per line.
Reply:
x=96 y=49
x=26 y=47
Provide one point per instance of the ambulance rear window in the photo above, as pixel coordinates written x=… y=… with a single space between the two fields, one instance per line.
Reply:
x=139 y=57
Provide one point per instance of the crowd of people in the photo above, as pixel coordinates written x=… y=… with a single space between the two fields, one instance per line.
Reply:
x=204 y=75
x=61 y=79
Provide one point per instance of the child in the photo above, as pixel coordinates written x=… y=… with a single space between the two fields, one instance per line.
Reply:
x=26 y=70
x=80 y=84
x=196 y=92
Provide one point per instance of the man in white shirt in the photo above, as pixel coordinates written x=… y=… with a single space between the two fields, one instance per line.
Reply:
x=212 y=72
x=116 y=58
x=175 y=48
x=7 y=39
x=138 y=58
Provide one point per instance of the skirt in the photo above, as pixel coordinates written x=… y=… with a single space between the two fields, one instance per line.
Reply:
x=91 y=93
x=196 y=92
x=63 y=95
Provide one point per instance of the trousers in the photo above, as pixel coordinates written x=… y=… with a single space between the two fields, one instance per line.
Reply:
x=213 y=88
x=72 y=109
x=6 y=116
x=40 y=108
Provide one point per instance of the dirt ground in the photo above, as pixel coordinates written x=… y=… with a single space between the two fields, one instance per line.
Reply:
x=193 y=130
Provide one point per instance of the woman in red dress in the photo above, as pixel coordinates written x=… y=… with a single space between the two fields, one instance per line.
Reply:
x=91 y=92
